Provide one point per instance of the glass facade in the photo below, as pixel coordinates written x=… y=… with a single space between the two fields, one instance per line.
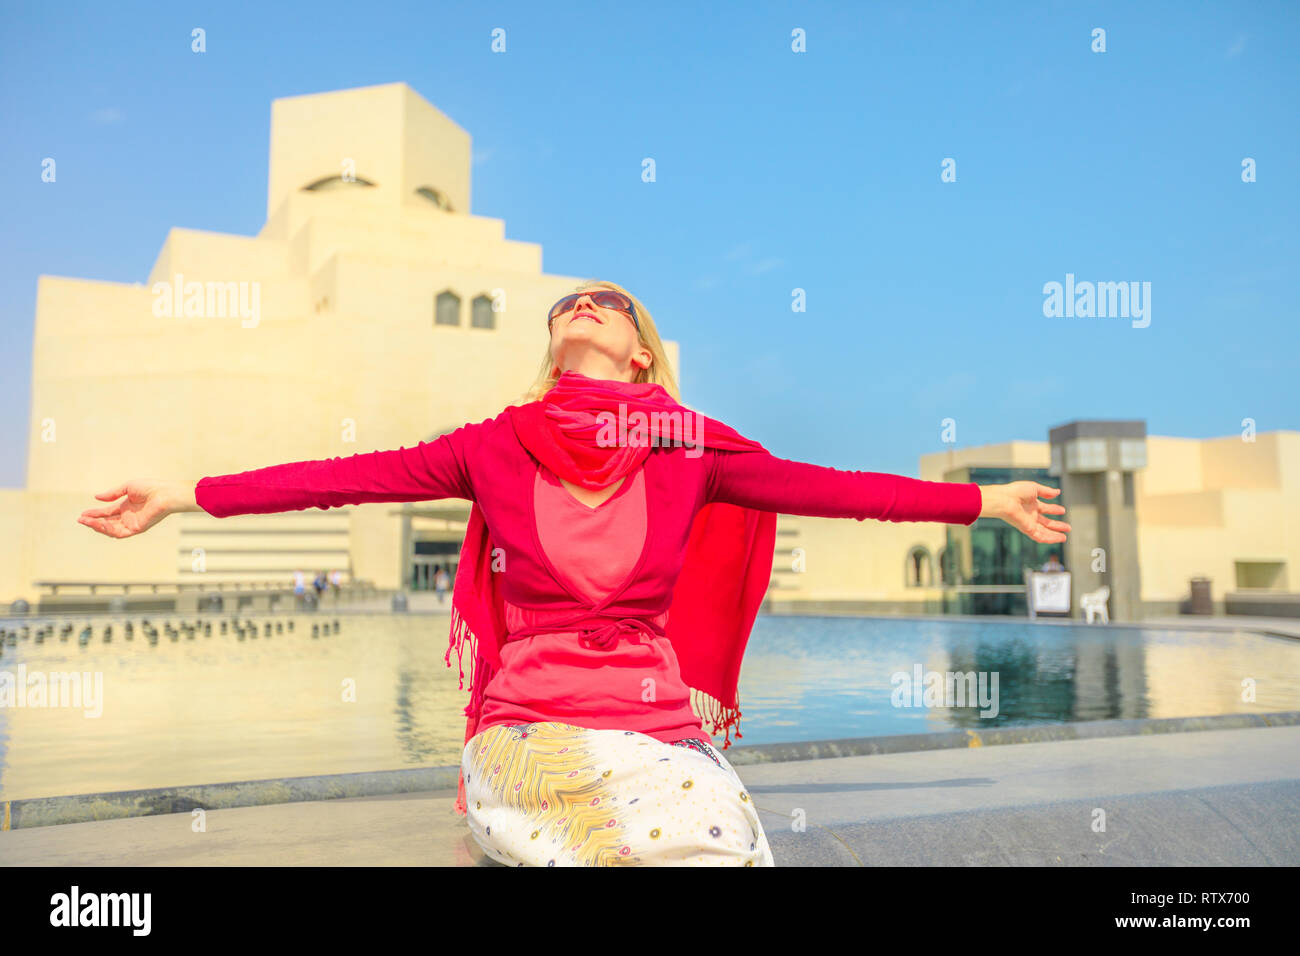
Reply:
x=428 y=556
x=989 y=557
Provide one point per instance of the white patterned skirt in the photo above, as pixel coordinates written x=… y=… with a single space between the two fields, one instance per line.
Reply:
x=551 y=794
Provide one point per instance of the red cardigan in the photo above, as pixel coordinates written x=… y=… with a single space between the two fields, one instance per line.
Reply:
x=486 y=463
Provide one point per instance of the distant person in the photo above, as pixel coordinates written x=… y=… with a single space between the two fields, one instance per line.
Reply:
x=1053 y=563
x=319 y=584
x=336 y=578
x=440 y=581
x=299 y=587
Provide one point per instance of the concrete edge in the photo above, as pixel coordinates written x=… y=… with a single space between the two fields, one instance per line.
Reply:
x=1001 y=736
x=89 y=807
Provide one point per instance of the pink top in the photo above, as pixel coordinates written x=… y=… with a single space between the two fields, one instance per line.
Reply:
x=635 y=684
x=486 y=463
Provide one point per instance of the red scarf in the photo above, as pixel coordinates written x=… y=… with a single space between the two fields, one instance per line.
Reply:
x=729 y=553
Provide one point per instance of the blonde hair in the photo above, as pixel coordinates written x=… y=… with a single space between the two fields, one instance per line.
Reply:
x=659 y=372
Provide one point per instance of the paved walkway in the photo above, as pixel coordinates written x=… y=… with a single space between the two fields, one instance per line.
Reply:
x=1284 y=626
x=1229 y=797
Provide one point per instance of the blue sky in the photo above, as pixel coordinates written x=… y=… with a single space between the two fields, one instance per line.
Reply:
x=775 y=171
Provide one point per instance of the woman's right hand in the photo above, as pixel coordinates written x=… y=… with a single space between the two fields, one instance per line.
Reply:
x=147 y=503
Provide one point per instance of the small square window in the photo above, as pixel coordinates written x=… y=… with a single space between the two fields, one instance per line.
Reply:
x=1086 y=454
x=1132 y=454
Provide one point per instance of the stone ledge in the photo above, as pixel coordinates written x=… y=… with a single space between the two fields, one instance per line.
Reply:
x=82 y=808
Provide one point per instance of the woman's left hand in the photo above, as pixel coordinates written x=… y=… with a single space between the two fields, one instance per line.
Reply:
x=1017 y=504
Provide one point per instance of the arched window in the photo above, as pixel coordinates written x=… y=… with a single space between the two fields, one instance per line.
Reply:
x=481 y=315
x=336 y=182
x=919 y=570
x=447 y=309
x=435 y=196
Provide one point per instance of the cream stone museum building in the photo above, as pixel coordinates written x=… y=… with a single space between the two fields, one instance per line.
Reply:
x=373 y=310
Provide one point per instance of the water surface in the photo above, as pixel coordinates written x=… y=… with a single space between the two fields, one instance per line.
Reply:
x=378 y=695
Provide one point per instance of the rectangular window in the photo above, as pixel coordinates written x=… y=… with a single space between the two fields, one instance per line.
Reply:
x=1086 y=454
x=1132 y=453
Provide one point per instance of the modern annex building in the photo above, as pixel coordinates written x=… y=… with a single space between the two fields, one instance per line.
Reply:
x=374 y=310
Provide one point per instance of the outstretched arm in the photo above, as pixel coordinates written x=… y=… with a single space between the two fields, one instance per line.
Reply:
x=430 y=470
x=760 y=480
x=426 y=472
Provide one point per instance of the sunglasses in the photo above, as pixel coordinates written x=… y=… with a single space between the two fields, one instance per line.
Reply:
x=605 y=298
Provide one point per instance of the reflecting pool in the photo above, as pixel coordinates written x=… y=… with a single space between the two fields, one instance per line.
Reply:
x=377 y=694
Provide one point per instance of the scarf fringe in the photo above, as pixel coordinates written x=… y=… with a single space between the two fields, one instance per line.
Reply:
x=722 y=717
x=479 y=676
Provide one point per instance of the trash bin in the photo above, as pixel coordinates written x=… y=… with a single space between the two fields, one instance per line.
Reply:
x=1202 y=602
